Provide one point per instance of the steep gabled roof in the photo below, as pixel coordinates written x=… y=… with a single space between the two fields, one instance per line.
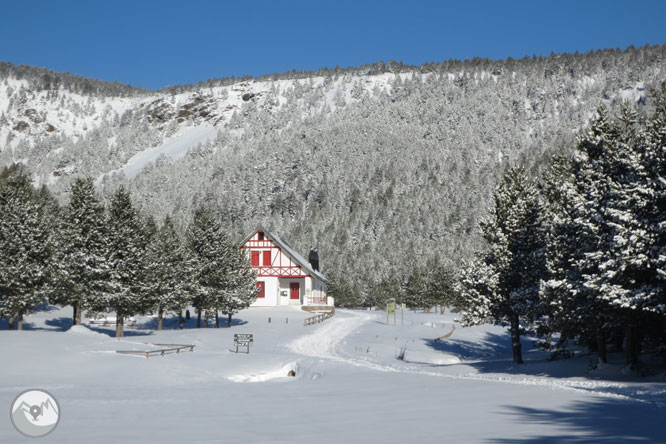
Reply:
x=300 y=260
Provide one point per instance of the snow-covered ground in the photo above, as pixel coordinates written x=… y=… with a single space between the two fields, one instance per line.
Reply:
x=349 y=385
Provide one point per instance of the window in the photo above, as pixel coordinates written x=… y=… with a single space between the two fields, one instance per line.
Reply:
x=254 y=258
x=260 y=235
x=260 y=286
x=267 y=258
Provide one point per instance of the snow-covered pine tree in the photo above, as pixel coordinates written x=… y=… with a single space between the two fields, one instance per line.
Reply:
x=223 y=278
x=504 y=285
x=442 y=285
x=169 y=272
x=606 y=243
x=417 y=293
x=241 y=283
x=384 y=290
x=126 y=257
x=205 y=241
x=80 y=265
x=25 y=248
x=654 y=163
x=606 y=173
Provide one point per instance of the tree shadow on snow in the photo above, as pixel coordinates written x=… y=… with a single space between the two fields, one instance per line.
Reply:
x=492 y=345
x=62 y=323
x=172 y=323
x=58 y=324
x=595 y=421
x=492 y=354
x=45 y=307
x=111 y=331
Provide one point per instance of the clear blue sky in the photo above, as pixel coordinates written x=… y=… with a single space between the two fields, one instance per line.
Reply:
x=158 y=43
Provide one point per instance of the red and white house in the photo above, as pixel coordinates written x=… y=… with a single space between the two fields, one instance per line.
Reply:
x=284 y=277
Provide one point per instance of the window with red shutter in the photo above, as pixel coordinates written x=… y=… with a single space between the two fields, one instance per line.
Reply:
x=267 y=258
x=255 y=258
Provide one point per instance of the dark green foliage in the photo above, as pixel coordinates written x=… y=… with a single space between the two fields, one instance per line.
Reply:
x=504 y=285
x=81 y=267
x=344 y=292
x=606 y=244
x=126 y=257
x=169 y=271
x=223 y=279
x=25 y=247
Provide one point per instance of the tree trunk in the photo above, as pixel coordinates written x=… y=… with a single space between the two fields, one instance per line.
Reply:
x=630 y=345
x=11 y=322
x=217 y=319
x=515 y=340
x=160 y=315
x=77 y=313
x=601 y=347
x=229 y=321
x=20 y=320
x=205 y=319
x=180 y=319
x=74 y=307
x=198 y=318
x=120 y=323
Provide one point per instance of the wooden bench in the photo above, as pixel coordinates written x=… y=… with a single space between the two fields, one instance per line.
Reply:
x=165 y=350
x=112 y=322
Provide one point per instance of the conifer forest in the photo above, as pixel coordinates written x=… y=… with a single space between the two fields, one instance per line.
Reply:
x=528 y=193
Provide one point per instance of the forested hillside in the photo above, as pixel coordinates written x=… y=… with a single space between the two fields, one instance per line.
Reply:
x=383 y=167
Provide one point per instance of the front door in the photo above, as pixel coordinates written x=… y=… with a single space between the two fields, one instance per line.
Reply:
x=295 y=290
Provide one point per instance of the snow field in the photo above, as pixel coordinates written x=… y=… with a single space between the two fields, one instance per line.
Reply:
x=349 y=387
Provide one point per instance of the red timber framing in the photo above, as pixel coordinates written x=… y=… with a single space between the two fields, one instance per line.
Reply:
x=280 y=266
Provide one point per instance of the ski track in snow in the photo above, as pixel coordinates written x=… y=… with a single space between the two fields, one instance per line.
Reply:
x=325 y=340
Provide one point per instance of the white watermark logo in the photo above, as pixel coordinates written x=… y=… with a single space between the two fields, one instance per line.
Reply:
x=35 y=413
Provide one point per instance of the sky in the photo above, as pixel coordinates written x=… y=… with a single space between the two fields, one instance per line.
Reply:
x=153 y=44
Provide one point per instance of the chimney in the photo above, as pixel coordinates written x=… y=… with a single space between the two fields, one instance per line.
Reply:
x=314 y=259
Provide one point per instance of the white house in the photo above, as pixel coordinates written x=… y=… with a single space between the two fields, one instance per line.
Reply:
x=284 y=277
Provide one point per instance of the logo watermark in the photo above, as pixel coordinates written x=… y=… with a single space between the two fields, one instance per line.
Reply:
x=35 y=413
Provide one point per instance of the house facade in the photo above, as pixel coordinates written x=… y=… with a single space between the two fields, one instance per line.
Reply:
x=284 y=277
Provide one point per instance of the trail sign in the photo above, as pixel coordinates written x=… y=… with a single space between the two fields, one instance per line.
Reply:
x=243 y=340
x=390 y=309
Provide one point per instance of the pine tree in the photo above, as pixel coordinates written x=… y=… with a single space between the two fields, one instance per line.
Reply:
x=608 y=209
x=81 y=269
x=241 y=289
x=25 y=248
x=417 y=290
x=126 y=258
x=442 y=285
x=503 y=286
x=223 y=278
x=169 y=272
x=653 y=160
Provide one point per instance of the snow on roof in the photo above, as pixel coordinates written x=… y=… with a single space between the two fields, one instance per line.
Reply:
x=289 y=250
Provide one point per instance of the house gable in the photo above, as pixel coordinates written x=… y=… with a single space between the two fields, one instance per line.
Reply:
x=283 y=276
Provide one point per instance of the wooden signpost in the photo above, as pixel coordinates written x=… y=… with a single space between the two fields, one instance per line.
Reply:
x=243 y=340
x=390 y=309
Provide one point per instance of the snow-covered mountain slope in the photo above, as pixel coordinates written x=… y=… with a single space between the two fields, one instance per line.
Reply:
x=385 y=164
